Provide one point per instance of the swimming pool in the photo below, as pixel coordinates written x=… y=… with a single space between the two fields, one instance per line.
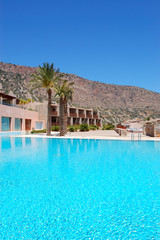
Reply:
x=79 y=189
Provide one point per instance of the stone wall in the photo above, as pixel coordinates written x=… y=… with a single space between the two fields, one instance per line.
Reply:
x=157 y=130
x=150 y=130
x=121 y=131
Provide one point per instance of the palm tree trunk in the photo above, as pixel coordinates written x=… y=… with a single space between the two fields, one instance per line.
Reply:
x=63 y=116
x=49 y=91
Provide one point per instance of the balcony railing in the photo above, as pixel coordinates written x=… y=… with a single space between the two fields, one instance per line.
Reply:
x=73 y=114
x=11 y=105
x=89 y=115
x=81 y=115
x=55 y=113
x=95 y=116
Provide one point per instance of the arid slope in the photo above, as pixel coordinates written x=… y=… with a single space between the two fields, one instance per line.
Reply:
x=115 y=102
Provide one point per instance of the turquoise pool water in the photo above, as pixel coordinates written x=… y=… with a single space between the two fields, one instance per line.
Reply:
x=79 y=189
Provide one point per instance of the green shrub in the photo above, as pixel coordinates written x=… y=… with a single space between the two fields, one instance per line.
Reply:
x=84 y=127
x=39 y=131
x=76 y=127
x=147 y=119
x=93 y=127
x=73 y=128
x=55 y=128
x=109 y=126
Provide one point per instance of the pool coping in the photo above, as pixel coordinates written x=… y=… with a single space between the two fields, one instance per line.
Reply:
x=144 y=138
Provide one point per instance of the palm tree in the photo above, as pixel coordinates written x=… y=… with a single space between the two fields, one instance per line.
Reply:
x=64 y=92
x=45 y=77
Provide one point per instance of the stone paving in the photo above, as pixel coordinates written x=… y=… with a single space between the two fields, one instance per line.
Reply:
x=99 y=134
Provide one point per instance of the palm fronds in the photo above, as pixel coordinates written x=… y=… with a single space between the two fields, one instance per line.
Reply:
x=64 y=90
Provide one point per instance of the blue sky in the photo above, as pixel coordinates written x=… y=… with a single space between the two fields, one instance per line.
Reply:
x=112 y=41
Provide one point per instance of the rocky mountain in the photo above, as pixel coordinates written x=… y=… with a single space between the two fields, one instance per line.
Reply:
x=115 y=102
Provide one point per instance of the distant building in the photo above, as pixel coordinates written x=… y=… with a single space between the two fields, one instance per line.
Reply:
x=152 y=128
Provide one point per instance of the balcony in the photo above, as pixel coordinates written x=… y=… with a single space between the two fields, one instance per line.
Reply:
x=73 y=114
x=81 y=115
x=98 y=122
x=54 y=113
x=54 y=121
x=10 y=105
x=89 y=115
x=91 y=121
x=84 y=120
x=76 y=121
x=95 y=116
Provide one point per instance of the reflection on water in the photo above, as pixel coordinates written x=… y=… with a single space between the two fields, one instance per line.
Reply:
x=5 y=143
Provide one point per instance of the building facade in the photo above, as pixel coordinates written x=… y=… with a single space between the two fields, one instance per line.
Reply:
x=76 y=116
x=15 y=118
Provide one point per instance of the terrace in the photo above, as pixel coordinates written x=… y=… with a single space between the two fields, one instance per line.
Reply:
x=69 y=121
x=73 y=112
x=84 y=120
x=98 y=122
x=8 y=100
x=54 y=111
x=55 y=121
x=81 y=113
x=89 y=113
x=95 y=114
x=76 y=121
x=91 y=121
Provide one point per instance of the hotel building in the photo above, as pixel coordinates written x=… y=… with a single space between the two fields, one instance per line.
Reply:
x=76 y=116
x=13 y=117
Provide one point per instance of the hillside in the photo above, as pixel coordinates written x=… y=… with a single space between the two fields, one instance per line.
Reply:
x=115 y=102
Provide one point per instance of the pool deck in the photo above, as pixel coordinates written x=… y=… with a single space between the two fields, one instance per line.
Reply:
x=99 y=134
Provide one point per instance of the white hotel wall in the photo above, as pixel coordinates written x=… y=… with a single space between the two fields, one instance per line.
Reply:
x=15 y=112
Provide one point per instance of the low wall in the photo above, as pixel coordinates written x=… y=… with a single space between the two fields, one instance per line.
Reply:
x=121 y=131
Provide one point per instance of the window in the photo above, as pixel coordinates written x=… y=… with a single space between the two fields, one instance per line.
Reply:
x=39 y=125
x=18 y=124
x=6 y=124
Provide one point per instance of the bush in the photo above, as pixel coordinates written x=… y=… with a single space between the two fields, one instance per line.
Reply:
x=55 y=128
x=84 y=127
x=73 y=128
x=93 y=127
x=76 y=127
x=39 y=131
x=109 y=126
